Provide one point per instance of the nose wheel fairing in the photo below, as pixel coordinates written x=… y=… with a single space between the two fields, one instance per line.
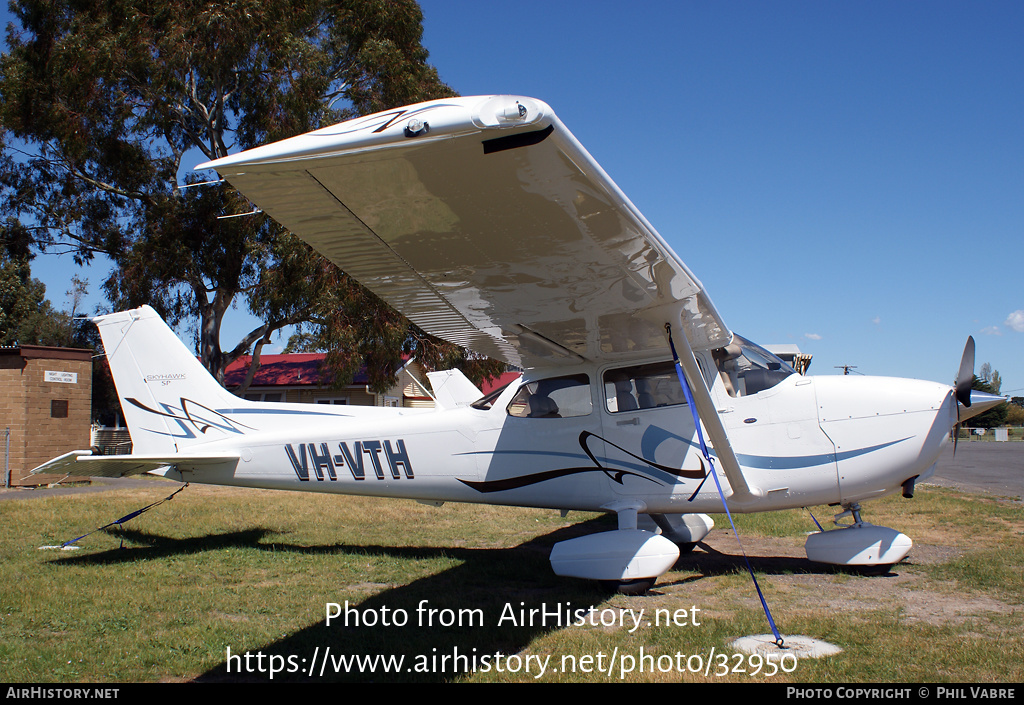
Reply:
x=863 y=545
x=859 y=544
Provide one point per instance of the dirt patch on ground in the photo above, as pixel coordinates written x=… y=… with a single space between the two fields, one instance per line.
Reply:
x=800 y=586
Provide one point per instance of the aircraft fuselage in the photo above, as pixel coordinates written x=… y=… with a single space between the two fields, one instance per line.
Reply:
x=804 y=441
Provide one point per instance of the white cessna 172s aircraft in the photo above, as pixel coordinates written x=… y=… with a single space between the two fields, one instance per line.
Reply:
x=486 y=223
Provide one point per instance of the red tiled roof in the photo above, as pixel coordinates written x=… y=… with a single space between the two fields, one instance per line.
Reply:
x=303 y=370
x=284 y=370
x=489 y=385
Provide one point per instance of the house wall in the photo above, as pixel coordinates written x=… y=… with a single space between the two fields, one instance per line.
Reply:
x=355 y=395
x=48 y=414
x=406 y=392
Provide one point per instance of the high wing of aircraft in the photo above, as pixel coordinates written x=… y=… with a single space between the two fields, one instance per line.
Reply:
x=485 y=222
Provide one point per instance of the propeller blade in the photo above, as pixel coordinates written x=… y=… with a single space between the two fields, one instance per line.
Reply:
x=965 y=377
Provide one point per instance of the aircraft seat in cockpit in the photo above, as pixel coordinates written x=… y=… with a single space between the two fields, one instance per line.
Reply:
x=542 y=406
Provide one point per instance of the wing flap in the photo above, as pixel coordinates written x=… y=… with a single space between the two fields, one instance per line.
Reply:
x=81 y=463
x=498 y=234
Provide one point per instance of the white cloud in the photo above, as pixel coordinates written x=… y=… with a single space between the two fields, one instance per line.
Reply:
x=876 y=320
x=1016 y=320
x=812 y=336
x=991 y=330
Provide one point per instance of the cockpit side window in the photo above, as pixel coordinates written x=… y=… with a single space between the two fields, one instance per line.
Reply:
x=642 y=387
x=746 y=368
x=554 y=398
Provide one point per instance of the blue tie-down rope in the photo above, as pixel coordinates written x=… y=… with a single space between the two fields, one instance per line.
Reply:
x=711 y=465
x=815 y=521
x=119 y=522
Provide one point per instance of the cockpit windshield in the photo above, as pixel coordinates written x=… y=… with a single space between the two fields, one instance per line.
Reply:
x=747 y=368
x=485 y=402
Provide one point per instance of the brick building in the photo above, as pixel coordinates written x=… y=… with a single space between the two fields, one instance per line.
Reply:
x=46 y=402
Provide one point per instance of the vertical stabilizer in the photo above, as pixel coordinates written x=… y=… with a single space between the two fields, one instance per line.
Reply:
x=168 y=398
x=452 y=389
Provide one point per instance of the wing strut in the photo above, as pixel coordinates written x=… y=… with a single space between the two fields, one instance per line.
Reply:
x=705 y=406
x=685 y=372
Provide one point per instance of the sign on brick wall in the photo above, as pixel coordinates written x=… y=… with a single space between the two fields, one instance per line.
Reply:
x=62 y=377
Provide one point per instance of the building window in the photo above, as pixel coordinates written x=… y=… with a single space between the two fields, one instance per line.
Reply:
x=265 y=396
x=58 y=408
x=332 y=400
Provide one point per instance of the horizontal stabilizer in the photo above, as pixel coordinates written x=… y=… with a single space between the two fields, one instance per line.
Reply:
x=82 y=463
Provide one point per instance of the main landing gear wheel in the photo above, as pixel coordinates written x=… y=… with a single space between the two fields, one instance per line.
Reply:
x=684 y=530
x=639 y=586
x=627 y=560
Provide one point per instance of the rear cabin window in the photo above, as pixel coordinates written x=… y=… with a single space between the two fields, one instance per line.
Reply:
x=642 y=387
x=485 y=402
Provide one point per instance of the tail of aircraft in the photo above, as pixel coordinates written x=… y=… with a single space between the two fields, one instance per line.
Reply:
x=169 y=400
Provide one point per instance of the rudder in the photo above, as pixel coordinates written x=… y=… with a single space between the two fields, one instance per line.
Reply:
x=168 y=398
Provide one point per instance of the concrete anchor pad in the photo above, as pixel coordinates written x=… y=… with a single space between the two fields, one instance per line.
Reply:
x=797 y=645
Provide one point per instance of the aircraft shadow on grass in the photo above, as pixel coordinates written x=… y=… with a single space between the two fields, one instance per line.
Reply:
x=429 y=647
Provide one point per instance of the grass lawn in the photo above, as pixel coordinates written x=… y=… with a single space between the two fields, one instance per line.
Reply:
x=221 y=571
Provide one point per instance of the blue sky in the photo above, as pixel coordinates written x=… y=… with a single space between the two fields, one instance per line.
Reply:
x=848 y=177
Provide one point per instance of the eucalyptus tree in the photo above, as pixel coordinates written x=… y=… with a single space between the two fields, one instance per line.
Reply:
x=106 y=105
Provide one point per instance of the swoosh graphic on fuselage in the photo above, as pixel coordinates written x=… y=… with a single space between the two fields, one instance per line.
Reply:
x=761 y=462
x=614 y=474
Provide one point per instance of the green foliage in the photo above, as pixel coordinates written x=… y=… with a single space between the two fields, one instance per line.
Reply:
x=26 y=317
x=114 y=100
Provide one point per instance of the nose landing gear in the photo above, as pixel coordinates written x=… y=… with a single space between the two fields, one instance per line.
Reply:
x=874 y=548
